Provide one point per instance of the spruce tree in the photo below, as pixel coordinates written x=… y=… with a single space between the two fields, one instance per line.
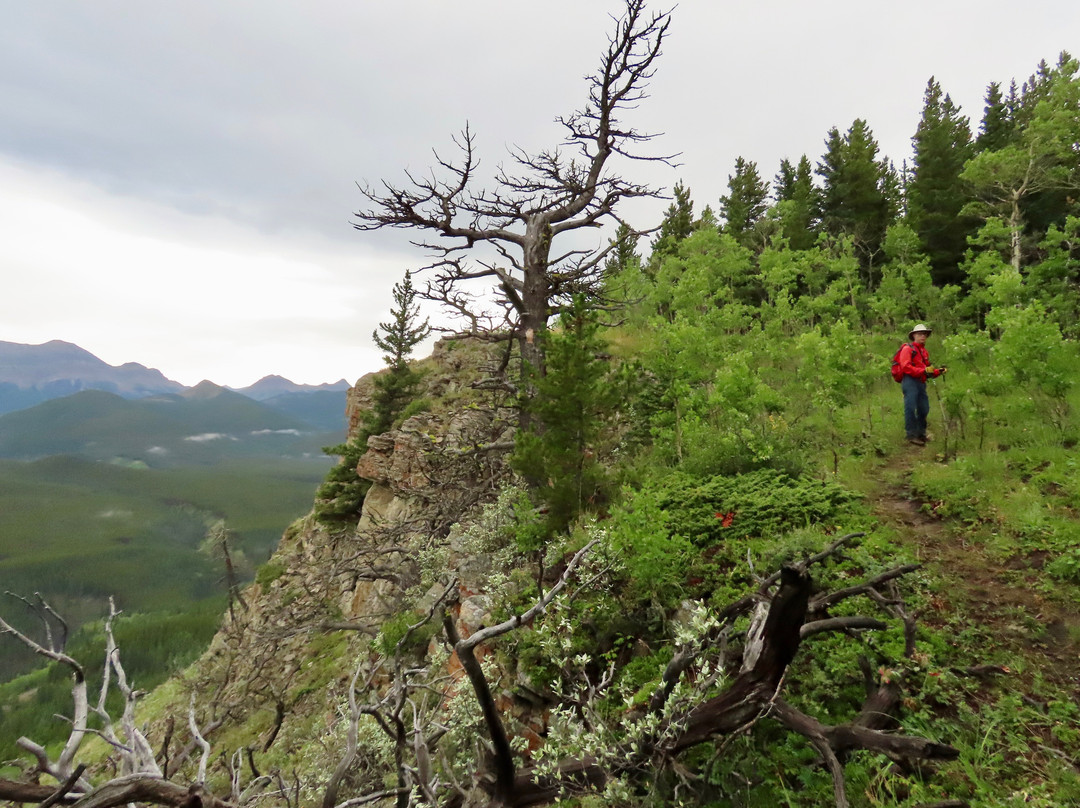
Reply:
x=623 y=251
x=996 y=129
x=744 y=204
x=395 y=389
x=795 y=196
x=935 y=192
x=573 y=402
x=342 y=493
x=856 y=189
x=678 y=224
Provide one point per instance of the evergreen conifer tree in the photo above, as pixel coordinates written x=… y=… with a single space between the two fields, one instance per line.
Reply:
x=623 y=250
x=744 y=204
x=795 y=195
x=571 y=401
x=784 y=181
x=394 y=389
x=856 y=189
x=678 y=224
x=935 y=193
x=996 y=129
x=341 y=495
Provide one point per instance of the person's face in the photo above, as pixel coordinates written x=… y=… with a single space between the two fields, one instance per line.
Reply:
x=920 y=337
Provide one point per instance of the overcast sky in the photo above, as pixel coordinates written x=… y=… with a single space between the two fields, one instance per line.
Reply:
x=177 y=178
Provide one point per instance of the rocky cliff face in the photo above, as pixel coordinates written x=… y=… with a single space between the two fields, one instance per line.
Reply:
x=275 y=677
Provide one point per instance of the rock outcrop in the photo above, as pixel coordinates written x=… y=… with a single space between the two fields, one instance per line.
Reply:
x=275 y=676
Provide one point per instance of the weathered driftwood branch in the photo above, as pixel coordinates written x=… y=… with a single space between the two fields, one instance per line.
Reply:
x=64 y=765
x=137 y=788
x=136 y=754
x=840 y=624
x=203 y=744
x=141 y=788
x=65 y=787
x=331 y=792
x=14 y=791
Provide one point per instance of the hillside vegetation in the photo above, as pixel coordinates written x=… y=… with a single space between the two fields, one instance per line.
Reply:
x=708 y=569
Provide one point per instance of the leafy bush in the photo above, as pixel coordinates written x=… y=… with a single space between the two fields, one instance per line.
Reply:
x=761 y=503
x=269 y=572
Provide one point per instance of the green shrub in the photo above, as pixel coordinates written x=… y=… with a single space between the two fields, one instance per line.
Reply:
x=760 y=503
x=268 y=573
x=398 y=635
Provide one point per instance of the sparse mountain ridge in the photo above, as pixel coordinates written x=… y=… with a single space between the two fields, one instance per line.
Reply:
x=27 y=366
x=33 y=374
x=274 y=385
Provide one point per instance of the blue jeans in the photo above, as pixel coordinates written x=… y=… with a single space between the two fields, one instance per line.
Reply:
x=916 y=406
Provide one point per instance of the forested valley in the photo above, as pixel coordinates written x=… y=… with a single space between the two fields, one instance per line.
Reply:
x=647 y=532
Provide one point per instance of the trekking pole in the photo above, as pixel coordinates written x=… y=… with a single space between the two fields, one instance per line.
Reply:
x=944 y=418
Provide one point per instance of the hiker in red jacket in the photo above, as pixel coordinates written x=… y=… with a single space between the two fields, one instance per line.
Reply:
x=915 y=365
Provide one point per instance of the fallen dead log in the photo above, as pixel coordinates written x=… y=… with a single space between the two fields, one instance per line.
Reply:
x=121 y=791
x=753 y=695
x=13 y=791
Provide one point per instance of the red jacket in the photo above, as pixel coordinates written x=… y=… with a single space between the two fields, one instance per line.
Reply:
x=915 y=362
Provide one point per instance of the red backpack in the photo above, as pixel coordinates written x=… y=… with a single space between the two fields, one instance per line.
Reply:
x=897 y=371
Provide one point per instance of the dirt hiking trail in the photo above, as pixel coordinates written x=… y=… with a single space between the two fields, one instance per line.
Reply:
x=1005 y=599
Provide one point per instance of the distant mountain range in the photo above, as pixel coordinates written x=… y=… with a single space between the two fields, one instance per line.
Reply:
x=111 y=478
x=33 y=374
x=198 y=426
x=30 y=374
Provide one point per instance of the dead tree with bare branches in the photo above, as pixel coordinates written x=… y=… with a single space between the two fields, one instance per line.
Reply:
x=535 y=205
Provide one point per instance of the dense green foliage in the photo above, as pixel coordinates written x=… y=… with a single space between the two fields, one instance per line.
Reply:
x=763 y=403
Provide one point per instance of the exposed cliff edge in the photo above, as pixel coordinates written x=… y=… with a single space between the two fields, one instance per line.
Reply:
x=275 y=678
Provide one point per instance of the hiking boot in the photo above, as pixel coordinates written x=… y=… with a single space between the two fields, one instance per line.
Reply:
x=917 y=441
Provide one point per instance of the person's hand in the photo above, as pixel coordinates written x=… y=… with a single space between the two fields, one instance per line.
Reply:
x=941 y=370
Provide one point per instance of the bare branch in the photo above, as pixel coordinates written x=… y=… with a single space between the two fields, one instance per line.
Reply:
x=536 y=609
x=193 y=725
x=840 y=624
x=556 y=191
